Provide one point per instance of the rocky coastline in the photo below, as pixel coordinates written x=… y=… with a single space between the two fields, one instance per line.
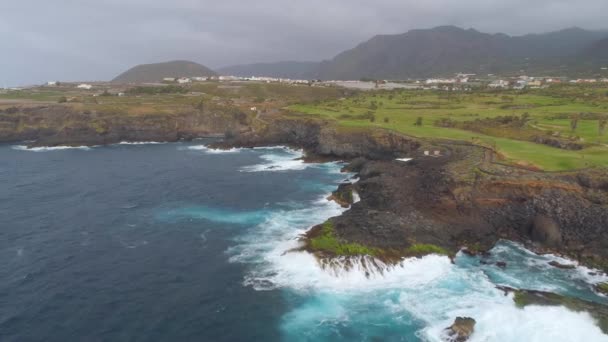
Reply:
x=415 y=197
x=451 y=195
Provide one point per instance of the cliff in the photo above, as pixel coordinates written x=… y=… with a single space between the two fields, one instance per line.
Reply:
x=64 y=125
x=460 y=198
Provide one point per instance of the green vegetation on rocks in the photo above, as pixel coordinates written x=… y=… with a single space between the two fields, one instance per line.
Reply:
x=421 y=249
x=326 y=241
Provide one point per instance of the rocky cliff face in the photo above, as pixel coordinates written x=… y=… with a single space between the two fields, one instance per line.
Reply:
x=63 y=125
x=322 y=139
x=459 y=198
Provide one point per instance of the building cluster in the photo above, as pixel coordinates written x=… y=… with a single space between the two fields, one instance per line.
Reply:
x=467 y=81
x=185 y=80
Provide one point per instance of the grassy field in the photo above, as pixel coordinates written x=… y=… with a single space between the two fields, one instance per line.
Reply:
x=547 y=114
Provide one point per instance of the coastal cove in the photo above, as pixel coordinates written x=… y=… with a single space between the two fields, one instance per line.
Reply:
x=194 y=242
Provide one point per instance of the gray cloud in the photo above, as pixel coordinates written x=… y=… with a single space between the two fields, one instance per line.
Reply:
x=94 y=40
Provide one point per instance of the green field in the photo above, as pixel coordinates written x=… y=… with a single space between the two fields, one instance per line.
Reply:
x=548 y=112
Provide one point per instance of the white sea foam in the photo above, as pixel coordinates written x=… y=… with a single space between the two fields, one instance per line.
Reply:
x=49 y=148
x=356 y=197
x=405 y=160
x=210 y=150
x=141 y=143
x=289 y=160
x=431 y=289
x=424 y=294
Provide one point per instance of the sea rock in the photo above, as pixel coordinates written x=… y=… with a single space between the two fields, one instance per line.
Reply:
x=461 y=330
x=546 y=231
x=343 y=195
x=524 y=298
x=602 y=288
x=562 y=266
x=501 y=264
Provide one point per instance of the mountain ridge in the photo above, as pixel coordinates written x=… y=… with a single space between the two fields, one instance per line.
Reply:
x=445 y=50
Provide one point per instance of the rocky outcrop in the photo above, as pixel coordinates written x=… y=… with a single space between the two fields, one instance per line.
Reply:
x=321 y=138
x=524 y=298
x=546 y=231
x=461 y=330
x=64 y=125
x=343 y=195
x=459 y=200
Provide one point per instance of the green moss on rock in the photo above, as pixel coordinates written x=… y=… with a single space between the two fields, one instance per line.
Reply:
x=421 y=249
x=326 y=241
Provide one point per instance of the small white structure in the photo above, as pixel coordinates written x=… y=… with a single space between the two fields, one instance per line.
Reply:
x=85 y=86
x=253 y=109
x=51 y=83
x=169 y=79
x=437 y=153
x=183 y=80
x=499 y=84
x=427 y=153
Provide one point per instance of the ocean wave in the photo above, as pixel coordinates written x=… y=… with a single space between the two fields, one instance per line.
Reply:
x=50 y=148
x=141 y=143
x=417 y=298
x=286 y=160
x=210 y=150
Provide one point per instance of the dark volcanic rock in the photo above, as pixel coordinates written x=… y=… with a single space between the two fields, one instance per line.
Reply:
x=461 y=330
x=63 y=125
x=546 y=231
x=343 y=195
x=524 y=298
x=562 y=266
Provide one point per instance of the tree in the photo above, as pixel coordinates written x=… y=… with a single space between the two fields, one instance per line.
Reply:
x=418 y=121
x=62 y=99
x=386 y=120
x=574 y=118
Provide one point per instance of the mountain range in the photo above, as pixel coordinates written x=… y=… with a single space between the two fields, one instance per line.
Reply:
x=445 y=50
x=440 y=51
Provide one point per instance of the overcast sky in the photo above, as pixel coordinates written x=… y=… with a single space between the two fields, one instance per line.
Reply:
x=97 y=39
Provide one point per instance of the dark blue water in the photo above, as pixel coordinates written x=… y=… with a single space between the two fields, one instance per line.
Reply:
x=176 y=242
x=86 y=257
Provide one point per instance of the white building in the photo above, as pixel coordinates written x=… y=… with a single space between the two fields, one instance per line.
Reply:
x=85 y=86
x=51 y=83
x=183 y=80
x=499 y=84
x=169 y=79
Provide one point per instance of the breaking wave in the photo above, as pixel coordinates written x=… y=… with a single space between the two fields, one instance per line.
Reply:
x=49 y=148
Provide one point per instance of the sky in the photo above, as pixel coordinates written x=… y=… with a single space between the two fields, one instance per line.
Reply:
x=70 y=40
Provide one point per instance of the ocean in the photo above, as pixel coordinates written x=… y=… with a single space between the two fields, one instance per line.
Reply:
x=180 y=242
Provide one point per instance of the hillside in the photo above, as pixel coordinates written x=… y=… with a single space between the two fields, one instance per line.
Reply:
x=286 y=69
x=446 y=50
x=146 y=73
x=598 y=51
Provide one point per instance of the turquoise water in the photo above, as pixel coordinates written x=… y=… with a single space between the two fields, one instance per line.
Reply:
x=180 y=242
